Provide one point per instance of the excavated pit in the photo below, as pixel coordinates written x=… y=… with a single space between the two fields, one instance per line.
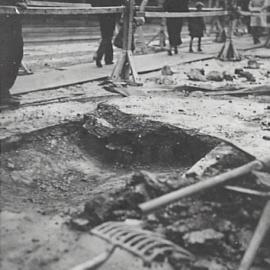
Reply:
x=62 y=165
x=107 y=164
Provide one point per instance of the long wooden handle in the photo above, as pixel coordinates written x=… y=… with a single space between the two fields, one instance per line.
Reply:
x=95 y=262
x=260 y=232
x=166 y=199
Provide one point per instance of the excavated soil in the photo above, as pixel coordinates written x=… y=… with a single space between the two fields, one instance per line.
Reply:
x=59 y=181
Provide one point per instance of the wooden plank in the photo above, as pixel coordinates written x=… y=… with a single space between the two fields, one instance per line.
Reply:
x=56 y=4
x=183 y=14
x=256 y=90
x=72 y=11
x=257 y=12
x=89 y=72
x=6 y=10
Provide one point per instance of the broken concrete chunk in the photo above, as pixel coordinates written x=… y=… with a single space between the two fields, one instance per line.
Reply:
x=203 y=264
x=237 y=71
x=166 y=71
x=165 y=80
x=80 y=224
x=227 y=76
x=247 y=75
x=214 y=76
x=196 y=74
x=201 y=237
x=253 y=64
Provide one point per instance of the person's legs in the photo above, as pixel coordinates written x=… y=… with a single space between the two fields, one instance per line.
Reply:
x=190 y=44
x=100 y=52
x=110 y=27
x=107 y=26
x=199 y=44
x=180 y=25
x=11 y=53
x=102 y=45
x=170 y=31
x=174 y=26
x=256 y=32
x=109 y=52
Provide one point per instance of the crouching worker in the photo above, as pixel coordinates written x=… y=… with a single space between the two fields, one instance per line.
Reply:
x=196 y=27
x=11 y=51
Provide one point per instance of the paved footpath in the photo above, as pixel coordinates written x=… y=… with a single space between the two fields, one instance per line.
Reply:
x=89 y=72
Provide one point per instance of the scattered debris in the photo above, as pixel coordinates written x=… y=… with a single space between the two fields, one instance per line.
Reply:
x=202 y=237
x=245 y=74
x=166 y=71
x=214 y=76
x=196 y=75
x=253 y=64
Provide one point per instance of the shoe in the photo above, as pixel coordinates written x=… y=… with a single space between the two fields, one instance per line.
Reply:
x=10 y=101
x=98 y=63
x=199 y=49
x=175 y=50
x=169 y=52
x=109 y=63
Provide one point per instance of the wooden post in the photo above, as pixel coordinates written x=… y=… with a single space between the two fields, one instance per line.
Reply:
x=228 y=51
x=260 y=233
x=125 y=64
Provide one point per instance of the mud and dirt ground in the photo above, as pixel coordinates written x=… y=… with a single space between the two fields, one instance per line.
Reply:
x=51 y=166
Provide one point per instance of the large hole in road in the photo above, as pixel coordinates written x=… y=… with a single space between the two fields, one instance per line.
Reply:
x=61 y=166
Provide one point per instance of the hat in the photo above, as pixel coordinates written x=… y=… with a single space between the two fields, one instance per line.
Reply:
x=199 y=4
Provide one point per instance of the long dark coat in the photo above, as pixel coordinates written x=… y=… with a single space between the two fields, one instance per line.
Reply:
x=11 y=50
x=174 y=25
x=196 y=26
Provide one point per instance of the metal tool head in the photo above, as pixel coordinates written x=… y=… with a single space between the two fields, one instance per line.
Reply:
x=144 y=244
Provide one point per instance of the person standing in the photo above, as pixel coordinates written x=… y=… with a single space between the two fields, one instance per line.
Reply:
x=244 y=5
x=174 y=25
x=11 y=51
x=257 y=21
x=196 y=28
x=107 y=24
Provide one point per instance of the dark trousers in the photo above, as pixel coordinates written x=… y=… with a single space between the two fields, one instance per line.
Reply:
x=107 y=25
x=11 y=52
x=256 y=33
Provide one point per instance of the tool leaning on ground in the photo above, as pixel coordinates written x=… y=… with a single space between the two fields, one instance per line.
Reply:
x=171 y=197
x=147 y=246
x=264 y=223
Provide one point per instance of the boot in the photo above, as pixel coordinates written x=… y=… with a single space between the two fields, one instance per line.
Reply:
x=175 y=50
x=98 y=63
x=109 y=63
